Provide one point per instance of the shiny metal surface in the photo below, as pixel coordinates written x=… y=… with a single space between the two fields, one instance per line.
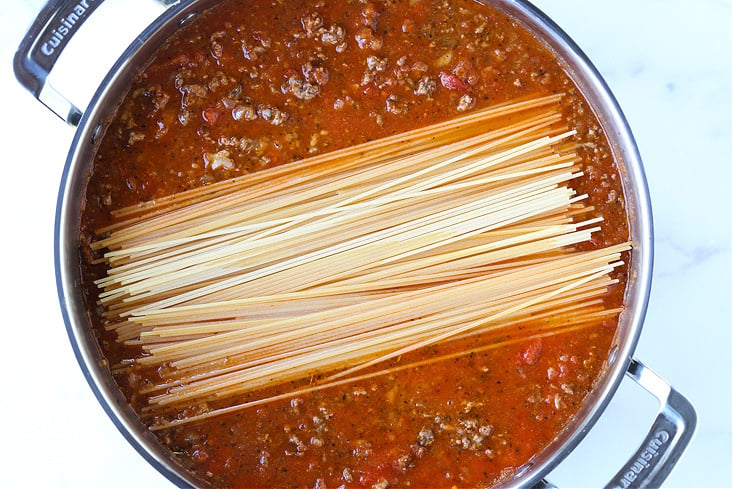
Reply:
x=114 y=86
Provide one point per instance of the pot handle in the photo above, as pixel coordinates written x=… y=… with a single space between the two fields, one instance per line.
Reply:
x=42 y=45
x=665 y=442
x=667 y=439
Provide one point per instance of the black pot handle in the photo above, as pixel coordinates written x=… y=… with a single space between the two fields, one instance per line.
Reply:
x=42 y=45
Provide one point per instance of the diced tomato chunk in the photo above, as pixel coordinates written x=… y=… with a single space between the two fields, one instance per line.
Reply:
x=452 y=82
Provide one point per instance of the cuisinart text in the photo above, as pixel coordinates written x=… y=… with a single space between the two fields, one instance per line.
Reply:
x=644 y=459
x=65 y=26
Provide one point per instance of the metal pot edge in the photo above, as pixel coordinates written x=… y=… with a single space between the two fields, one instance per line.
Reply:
x=66 y=254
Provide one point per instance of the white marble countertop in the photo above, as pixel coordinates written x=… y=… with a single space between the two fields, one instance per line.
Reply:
x=669 y=65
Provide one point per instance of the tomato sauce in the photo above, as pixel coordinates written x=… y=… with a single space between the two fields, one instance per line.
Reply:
x=253 y=84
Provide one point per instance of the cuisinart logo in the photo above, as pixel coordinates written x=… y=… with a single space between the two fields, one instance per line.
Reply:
x=643 y=460
x=66 y=25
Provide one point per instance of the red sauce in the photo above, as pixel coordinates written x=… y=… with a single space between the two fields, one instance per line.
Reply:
x=251 y=85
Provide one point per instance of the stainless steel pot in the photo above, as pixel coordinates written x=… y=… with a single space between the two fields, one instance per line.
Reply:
x=58 y=22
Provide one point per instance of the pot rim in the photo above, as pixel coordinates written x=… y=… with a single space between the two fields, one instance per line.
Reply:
x=581 y=71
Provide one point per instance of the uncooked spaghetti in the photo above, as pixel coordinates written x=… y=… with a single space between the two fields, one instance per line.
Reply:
x=327 y=267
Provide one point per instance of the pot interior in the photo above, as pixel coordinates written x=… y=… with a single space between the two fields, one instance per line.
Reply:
x=108 y=97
